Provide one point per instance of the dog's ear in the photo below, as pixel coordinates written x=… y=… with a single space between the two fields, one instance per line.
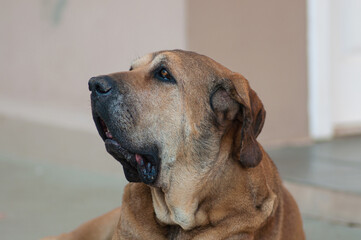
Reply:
x=234 y=101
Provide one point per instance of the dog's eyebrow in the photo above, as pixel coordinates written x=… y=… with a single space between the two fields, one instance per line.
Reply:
x=141 y=61
x=154 y=59
x=157 y=60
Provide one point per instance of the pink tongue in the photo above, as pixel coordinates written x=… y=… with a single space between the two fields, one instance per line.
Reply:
x=138 y=158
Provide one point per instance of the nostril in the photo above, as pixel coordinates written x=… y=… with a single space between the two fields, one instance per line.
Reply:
x=100 y=85
x=102 y=89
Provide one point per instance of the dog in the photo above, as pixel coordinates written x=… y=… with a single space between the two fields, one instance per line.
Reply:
x=184 y=128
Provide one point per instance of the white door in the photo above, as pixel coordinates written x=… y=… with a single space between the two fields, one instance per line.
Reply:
x=334 y=50
x=346 y=63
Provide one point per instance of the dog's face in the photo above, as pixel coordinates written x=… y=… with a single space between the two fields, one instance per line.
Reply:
x=165 y=118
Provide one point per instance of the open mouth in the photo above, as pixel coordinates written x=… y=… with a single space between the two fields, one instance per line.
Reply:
x=138 y=165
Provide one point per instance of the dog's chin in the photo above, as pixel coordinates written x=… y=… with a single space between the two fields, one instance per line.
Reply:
x=138 y=166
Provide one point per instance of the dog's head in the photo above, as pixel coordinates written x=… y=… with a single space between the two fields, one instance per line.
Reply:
x=164 y=120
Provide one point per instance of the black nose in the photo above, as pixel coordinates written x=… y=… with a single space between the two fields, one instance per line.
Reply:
x=101 y=85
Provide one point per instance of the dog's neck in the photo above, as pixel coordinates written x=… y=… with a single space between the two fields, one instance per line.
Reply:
x=200 y=206
x=181 y=205
x=184 y=213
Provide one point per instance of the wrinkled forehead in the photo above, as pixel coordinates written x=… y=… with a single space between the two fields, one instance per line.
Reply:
x=178 y=59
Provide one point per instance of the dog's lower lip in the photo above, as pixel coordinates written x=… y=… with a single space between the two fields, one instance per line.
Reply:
x=144 y=164
x=111 y=141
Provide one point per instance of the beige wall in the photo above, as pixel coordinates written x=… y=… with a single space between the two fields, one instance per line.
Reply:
x=49 y=50
x=266 y=42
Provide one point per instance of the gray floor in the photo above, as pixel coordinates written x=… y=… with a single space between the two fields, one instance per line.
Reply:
x=333 y=164
x=39 y=199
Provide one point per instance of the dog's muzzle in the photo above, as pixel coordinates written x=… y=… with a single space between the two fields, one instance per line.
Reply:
x=140 y=165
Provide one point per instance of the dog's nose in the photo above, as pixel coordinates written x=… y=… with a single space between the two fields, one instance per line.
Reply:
x=101 y=85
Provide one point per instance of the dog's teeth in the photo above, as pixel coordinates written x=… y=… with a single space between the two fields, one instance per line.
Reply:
x=108 y=135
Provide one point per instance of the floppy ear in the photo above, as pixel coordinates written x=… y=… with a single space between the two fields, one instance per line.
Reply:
x=235 y=101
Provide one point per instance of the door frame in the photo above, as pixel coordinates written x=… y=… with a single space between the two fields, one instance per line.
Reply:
x=319 y=69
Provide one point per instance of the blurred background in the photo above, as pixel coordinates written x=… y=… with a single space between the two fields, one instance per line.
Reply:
x=303 y=58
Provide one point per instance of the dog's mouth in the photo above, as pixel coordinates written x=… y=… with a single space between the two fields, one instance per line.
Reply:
x=139 y=166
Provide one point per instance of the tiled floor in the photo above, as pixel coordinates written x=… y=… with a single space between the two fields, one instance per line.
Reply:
x=38 y=199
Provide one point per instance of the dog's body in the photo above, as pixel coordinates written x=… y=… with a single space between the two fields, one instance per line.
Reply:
x=184 y=128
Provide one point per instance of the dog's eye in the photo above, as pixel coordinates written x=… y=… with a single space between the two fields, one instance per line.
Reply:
x=164 y=76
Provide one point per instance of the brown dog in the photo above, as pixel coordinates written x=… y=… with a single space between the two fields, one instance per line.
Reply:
x=184 y=128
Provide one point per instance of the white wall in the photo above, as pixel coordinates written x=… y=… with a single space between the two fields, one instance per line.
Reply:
x=49 y=50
